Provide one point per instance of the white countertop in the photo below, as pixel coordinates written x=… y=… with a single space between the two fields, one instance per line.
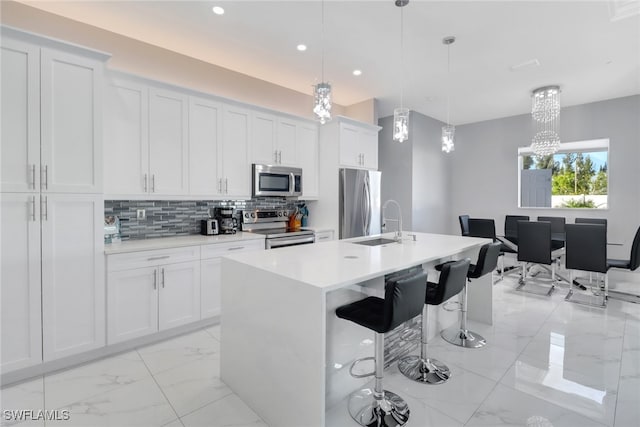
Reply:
x=339 y=263
x=176 y=242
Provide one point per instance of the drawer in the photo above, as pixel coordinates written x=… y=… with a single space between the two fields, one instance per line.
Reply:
x=222 y=249
x=324 y=236
x=127 y=261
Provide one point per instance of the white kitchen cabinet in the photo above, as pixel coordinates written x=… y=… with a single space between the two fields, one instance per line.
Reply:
x=179 y=299
x=287 y=140
x=205 y=133
x=358 y=147
x=20 y=311
x=168 y=142
x=126 y=138
x=73 y=293
x=324 y=236
x=150 y=291
x=307 y=146
x=51 y=119
x=233 y=164
x=264 y=146
x=210 y=274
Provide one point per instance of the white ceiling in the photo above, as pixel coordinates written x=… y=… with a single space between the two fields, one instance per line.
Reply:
x=583 y=46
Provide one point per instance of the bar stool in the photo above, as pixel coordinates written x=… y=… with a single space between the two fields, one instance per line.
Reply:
x=403 y=301
x=421 y=368
x=487 y=262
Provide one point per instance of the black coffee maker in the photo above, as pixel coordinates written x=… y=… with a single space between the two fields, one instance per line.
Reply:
x=227 y=221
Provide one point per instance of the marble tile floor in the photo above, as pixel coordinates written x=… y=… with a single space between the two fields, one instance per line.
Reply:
x=547 y=363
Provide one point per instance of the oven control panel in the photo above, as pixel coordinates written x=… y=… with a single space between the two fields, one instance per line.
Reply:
x=262 y=215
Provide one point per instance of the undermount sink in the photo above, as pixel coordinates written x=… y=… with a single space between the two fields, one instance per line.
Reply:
x=375 y=242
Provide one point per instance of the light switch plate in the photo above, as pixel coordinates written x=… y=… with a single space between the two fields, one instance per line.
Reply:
x=141 y=214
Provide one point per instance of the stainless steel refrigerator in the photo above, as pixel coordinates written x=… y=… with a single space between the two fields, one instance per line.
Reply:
x=359 y=203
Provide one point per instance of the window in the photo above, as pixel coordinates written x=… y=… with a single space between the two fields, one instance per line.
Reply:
x=577 y=176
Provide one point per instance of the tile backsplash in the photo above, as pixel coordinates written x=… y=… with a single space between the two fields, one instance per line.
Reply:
x=165 y=218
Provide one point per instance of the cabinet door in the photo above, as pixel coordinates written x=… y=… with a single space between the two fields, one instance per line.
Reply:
x=20 y=117
x=368 y=142
x=168 y=144
x=287 y=154
x=179 y=294
x=204 y=133
x=235 y=165
x=20 y=281
x=307 y=146
x=350 y=153
x=210 y=280
x=263 y=139
x=73 y=292
x=71 y=123
x=132 y=304
x=126 y=139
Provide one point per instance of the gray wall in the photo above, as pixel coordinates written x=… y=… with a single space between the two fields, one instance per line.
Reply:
x=416 y=174
x=484 y=175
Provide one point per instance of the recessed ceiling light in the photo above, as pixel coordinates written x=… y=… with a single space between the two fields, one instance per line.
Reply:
x=301 y=47
x=217 y=10
x=357 y=72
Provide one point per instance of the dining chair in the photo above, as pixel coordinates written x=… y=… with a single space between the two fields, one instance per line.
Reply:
x=464 y=224
x=511 y=227
x=586 y=250
x=631 y=264
x=557 y=230
x=534 y=247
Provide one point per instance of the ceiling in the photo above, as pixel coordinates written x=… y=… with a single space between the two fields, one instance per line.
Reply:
x=590 y=48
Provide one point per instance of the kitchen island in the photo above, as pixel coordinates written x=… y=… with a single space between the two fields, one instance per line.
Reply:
x=284 y=352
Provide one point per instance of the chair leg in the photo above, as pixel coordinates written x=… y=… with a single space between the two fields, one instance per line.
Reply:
x=420 y=368
x=463 y=337
x=377 y=406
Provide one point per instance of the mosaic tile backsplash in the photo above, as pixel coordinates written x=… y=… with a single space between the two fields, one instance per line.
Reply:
x=165 y=218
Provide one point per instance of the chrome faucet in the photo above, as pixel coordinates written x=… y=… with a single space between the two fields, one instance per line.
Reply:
x=398 y=235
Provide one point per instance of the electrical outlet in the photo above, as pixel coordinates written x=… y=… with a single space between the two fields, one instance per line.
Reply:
x=141 y=214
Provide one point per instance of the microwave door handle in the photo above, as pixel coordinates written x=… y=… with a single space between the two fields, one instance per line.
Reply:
x=292 y=183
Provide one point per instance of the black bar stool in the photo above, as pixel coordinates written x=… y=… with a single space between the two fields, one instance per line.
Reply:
x=421 y=368
x=487 y=262
x=403 y=300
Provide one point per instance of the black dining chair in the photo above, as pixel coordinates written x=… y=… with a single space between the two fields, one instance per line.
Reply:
x=586 y=250
x=486 y=228
x=602 y=221
x=628 y=264
x=511 y=227
x=557 y=230
x=534 y=247
x=464 y=224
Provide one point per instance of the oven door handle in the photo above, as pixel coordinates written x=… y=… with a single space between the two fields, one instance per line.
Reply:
x=277 y=243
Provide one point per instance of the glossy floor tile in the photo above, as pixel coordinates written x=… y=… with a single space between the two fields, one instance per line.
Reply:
x=547 y=363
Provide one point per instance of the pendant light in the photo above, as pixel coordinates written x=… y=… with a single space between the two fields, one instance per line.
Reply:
x=448 y=131
x=401 y=115
x=545 y=113
x=322 y=90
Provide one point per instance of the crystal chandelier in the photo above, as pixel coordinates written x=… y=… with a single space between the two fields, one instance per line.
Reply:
x=401 y=115
x=545 y=112
x=448 y=131
x=322 y=91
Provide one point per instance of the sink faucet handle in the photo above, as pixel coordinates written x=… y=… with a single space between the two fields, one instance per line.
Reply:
x=414 y=237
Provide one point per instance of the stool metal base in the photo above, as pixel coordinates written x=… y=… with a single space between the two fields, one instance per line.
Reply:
x=366 y=410
x=463 y=338
x=426 y=371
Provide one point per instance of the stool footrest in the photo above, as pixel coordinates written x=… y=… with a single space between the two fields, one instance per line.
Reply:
x=355 y=362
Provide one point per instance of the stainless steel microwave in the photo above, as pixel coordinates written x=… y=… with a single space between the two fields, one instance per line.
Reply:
x=276 y=181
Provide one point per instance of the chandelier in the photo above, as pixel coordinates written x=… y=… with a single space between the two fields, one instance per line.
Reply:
x=401 y=115
x=545 y=113
x=322 y=91
x=448 y=131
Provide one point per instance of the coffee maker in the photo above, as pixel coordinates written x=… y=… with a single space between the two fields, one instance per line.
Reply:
x=227 y=221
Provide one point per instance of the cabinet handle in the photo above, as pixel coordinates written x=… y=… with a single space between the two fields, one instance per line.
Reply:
x=44 y=183
x=153 y=183
x=33 y=208
x=145 y=182
x=362 y=159
x=33 y=176
x=226 y=185
x=275 y=156
x=219 y=185
x=163 y=278
x=155 y=279
x=153 y=258
x=236 y=248
x=44 y=210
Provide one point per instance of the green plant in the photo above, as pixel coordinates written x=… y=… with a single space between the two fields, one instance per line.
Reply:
x=579 y=203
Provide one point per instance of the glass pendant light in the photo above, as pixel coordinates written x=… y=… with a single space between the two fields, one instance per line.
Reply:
x=401 y=115
x=322 y=90
x=545 y=113
x=448 y=131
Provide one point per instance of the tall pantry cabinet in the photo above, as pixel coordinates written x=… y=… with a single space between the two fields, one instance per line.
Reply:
x=51 y=203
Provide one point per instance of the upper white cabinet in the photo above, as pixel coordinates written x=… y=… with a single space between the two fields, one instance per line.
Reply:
x=51 y=119
x=205 y=134
x=274 y=140
x=233 y=164
x=307 y=154
x=358 y=146
x=168 y=144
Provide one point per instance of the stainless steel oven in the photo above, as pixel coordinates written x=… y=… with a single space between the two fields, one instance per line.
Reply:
x=273 y=225
x=278 y=181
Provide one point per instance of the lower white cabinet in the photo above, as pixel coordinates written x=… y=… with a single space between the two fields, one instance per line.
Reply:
x=324 y=236
x=142 y=301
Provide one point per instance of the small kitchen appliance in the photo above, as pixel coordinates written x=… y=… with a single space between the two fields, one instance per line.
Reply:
x=227 y=222
x=276 y=181
x=209 y=227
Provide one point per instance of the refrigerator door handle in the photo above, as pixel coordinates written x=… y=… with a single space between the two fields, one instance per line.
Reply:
x=367 y=209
